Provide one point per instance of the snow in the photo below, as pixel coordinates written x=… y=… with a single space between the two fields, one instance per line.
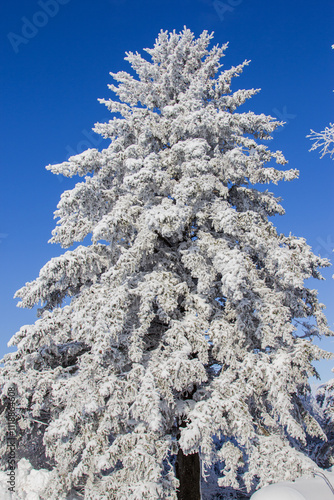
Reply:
x=29 y=483
x=302 y=489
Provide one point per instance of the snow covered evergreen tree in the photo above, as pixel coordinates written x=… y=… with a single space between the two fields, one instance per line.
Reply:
x=180 y=342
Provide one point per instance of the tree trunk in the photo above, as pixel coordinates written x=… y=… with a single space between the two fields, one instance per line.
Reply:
x=188 y=472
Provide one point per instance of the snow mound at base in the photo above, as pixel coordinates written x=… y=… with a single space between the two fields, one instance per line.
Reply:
x=29 y=483
x=304 y=488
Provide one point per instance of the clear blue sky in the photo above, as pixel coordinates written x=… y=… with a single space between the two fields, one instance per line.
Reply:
x=52 y=74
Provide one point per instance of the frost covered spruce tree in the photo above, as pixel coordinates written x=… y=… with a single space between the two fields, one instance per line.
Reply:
x=178 y=354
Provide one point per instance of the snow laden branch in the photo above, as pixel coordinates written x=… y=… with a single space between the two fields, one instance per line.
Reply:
x=323 y=140
x=65 y=276
x=174 y=335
